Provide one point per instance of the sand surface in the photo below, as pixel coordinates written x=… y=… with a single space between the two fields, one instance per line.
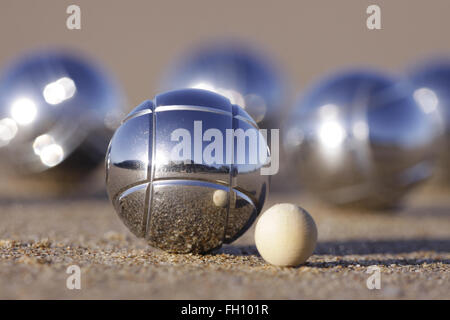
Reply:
x=39 y=239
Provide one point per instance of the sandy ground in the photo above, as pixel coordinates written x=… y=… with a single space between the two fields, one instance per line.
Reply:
x=39 y=239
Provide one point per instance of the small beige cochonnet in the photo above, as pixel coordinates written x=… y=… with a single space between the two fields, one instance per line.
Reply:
x=286 y=235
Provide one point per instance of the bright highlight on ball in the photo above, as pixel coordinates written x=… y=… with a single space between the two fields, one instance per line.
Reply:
x=286 y=235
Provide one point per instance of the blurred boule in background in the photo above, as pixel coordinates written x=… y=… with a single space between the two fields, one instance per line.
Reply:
x=58 y=111
x=431 y=81
x=359 y=138
x=243 y=73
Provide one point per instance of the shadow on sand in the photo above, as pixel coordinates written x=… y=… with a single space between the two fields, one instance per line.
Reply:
x=363 y=247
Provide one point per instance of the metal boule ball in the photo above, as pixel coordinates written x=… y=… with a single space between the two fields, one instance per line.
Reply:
x=58 y=112
x=431 y=82
x=175 y=175
x=239 y=72
x=360 y=138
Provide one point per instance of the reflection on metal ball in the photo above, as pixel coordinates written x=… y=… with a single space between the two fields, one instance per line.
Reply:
x=187 y=204
x=220 y=198
x=57 y=113
x=360 y=138
x=237 y=72
x=431 y=83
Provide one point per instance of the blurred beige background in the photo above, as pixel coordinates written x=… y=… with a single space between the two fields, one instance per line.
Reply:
x=137 y=39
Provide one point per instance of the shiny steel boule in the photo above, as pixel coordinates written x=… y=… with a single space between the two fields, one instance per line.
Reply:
x=190 y=205
x=360 y=138
x=237 y=72
x=57 y=113
x=431 y=83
